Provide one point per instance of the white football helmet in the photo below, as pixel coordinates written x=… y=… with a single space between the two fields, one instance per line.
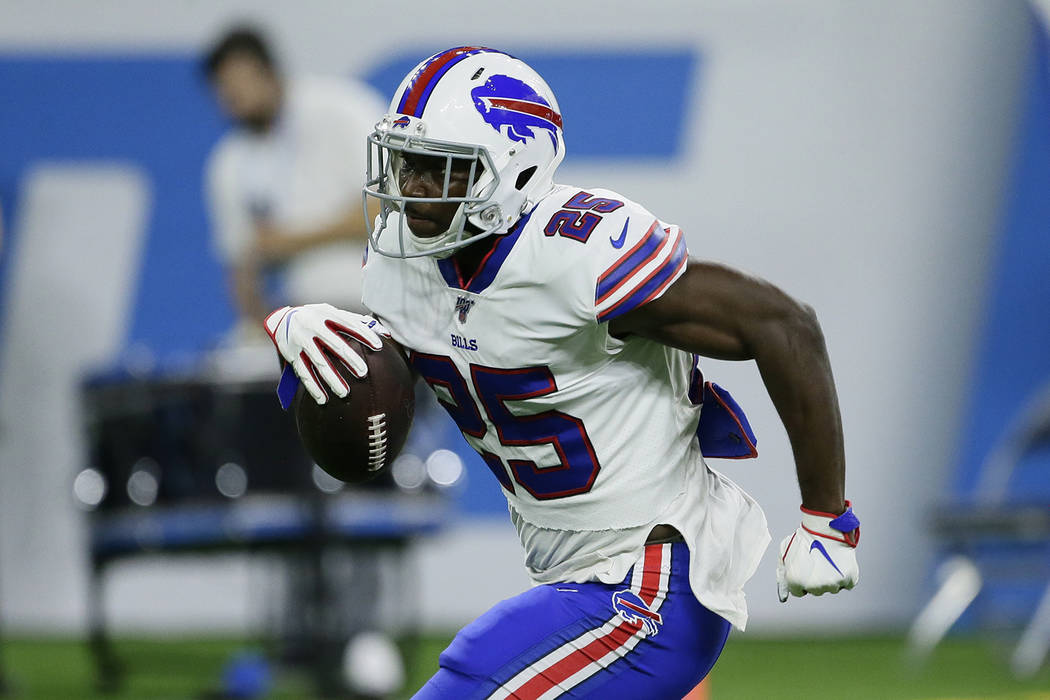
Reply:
x=467 y=104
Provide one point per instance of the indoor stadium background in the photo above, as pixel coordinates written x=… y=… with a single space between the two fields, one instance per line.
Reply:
x=888 y=163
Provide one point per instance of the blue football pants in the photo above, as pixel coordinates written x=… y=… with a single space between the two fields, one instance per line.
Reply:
x=647 y=638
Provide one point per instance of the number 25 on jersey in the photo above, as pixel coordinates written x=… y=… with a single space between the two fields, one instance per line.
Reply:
x=578 y=465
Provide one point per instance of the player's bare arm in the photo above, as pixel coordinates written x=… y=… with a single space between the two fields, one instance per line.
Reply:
x=719 y=312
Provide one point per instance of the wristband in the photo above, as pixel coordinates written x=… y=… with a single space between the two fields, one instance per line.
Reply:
x=844 y=528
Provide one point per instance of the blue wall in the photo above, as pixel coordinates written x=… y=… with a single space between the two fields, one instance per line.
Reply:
x=151 y=111
x=1013 y=353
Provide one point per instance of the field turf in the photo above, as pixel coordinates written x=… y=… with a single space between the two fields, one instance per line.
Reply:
x=854 y=668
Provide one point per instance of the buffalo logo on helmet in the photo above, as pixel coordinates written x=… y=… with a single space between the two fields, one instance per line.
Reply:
x=513 y=108
x=401 y=123
x=634 y=611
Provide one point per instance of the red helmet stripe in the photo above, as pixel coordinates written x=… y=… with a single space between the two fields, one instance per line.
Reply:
x=533 y=108
x=422 y=84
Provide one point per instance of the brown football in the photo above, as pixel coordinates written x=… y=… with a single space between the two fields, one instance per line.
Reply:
x=356 y=437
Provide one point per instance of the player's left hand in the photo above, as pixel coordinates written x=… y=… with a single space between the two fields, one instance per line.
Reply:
x=820 y=557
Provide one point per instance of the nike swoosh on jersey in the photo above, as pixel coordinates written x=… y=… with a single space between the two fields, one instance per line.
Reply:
x=818 y=546
x=618 y=242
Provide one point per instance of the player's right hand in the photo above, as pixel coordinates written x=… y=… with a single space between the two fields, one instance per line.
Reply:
x=305 y=335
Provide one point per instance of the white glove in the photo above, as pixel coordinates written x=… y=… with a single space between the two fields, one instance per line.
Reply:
x=820 y=557
x=302 y=333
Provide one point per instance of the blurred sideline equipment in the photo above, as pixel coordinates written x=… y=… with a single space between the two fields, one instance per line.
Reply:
x=372 y=665
x=247 y=676
x=1001 y=521
x=192 y=462
x=561 y=329
x=282 y=184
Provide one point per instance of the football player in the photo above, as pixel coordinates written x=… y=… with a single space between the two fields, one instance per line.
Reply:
x=560 y=327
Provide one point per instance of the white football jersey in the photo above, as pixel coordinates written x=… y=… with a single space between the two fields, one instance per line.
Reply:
x=585 y=432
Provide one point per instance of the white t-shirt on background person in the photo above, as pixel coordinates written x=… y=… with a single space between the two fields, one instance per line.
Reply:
x=305 y=172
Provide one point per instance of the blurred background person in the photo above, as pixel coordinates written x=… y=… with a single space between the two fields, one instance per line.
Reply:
x=283 y=185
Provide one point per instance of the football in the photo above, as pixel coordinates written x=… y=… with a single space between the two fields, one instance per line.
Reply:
x=356 y=437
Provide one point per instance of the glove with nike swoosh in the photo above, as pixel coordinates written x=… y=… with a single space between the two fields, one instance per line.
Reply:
x=820 y=557
x=310 y=338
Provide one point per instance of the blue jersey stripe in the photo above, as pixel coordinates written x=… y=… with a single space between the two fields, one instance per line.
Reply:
x=490 y=265
x=450 y=272
x=696 y=382
x=635 y=258
x=652 y=284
